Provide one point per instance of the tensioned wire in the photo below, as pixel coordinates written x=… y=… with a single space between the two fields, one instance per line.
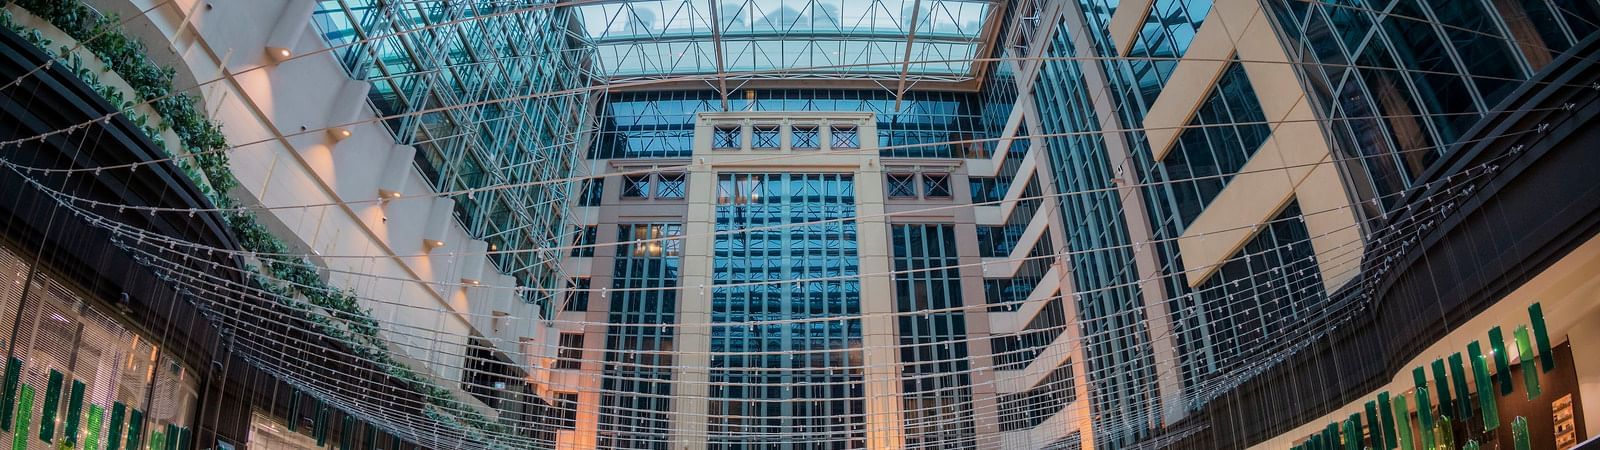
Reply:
x=980 y=369
x=764 y=228
x=656 y=169
x=823 y=319
x=642 y=241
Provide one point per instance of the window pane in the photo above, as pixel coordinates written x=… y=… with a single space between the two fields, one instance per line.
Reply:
x=670 y=185
x=902 y=185
x=936 y=185
x=845 y=137
x=635 y=186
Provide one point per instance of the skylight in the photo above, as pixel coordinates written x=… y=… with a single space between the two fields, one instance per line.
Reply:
x=787 y=38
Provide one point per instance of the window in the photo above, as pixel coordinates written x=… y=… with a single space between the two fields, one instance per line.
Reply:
x=577 y=294
x=902 y=185
x=805 y=136
x=936 y=185
x=670 y=185
x=845 y=137
x=726 y=137
x=570 y=355
x=766 y=137
x=592 y=192
x=584 y=243
x=635 y=186
x=567 y=407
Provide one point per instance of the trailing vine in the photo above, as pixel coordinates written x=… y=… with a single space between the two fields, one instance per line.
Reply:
x=205 y=162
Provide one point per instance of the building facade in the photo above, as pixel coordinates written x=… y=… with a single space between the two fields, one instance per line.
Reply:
x=781 y=224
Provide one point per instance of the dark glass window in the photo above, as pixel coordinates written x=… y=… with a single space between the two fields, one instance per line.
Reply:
x=569 y=356
x=902 y=185
x=1024 y=410
x=636 y=388
x=805 y=136
x=727 y=137
x=989 y=189
x=584 y=242
x=577 y=294
x=635 y=186
x=567 y=408
x=845 y=137
x=593 y=190
x=935 y=384
x=936 y=185
x=765 y=137
x=670 y=185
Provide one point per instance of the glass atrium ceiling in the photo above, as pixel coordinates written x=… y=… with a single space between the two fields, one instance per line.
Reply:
x=764 y=39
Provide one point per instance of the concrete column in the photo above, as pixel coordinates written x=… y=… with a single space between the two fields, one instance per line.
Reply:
x=879 y=339
x=690 y=381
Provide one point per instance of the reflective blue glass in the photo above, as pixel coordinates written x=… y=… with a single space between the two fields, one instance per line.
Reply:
x=935 y=380
x=785 y=309
x=636 y=395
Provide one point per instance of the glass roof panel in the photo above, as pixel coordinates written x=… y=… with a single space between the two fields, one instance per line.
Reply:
x=786 y=38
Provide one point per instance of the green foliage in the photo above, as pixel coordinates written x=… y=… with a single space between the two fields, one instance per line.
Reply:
x=206 y=164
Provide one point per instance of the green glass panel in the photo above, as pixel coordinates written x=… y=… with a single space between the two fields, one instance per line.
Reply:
x=1444 y=432
x=1441 y=388
x=320 y=427
x=74 y=412
x=294 y=412
x=158 y=440
x=1372 y=423
x=1472 y=445
x=172 y=437
x=9 y=397
x=91 y=440
x=1352 y=432
x=1541 y=336
x=19 y=439
x=1502 y=360
x=1386 y=412
x=1330 y=436
x=135 y=429
x=52 y=400
x=346 y=432
x=371 y=440
x=1480 y=375
x=1530 y=375
x=1519 y=433
x=114 y=433
x=1458 y=378
x=1424 y=418
x=1402 y=424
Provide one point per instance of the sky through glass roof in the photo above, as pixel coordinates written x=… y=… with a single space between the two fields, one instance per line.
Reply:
x=787 y=38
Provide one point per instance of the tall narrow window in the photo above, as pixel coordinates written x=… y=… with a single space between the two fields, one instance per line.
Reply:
x=577 y=294
x=902 y=185
x=765 y=137
x=804 y=137
x=670 y=185
x=592 y=192
x=583 y=245
x=567 y=404
x=570 y=353
x=845 y=137
x=635 y=186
